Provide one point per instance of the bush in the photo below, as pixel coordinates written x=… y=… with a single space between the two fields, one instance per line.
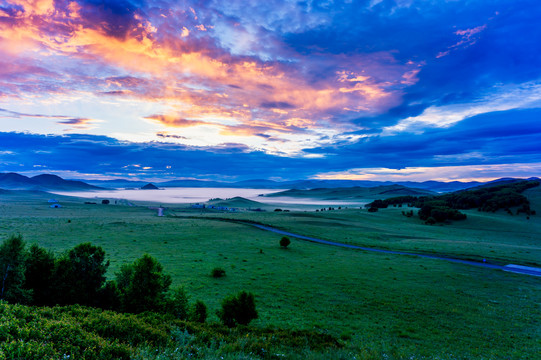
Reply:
x=177 y=304
x=217 y=272
x=80 y=275
x=39 y=275
x=238 y=310
x=143 y=285
x=198 y=313
x=284 y=242
x=12 y=270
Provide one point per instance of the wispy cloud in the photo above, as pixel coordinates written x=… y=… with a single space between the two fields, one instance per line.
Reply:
x=340 y=84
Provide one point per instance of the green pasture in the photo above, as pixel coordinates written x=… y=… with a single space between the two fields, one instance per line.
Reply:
x=498 y=237
x=379 y=305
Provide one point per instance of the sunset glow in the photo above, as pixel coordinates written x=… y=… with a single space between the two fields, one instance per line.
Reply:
x=230 y=90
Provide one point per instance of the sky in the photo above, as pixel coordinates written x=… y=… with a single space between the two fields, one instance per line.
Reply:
x=233 y=90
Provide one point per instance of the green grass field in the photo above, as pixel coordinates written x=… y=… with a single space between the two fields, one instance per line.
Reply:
x=380 y=305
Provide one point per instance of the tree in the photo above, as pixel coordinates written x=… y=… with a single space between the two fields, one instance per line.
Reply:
x=40 y=265
x=80 y=275
x=177 y=303
x=239 y=309
x=198 y=312
x=12 y=269
x=143 y=285
x=284 y=242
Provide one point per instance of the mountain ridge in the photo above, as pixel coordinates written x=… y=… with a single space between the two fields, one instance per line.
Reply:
x=14 y=181
x=42 y=182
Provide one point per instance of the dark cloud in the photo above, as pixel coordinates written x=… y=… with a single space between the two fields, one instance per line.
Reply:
x=114 y=17
x=277 y=105
x=104 y=155
x=492 y=138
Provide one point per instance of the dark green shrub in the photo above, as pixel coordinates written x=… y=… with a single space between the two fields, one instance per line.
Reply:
x=284 y=242
x=40 y=265
x=238 y=309
x=430 y=221
x=198 y=312
x=177 y=304
x=12 y=270
x=217 y=272
x=80 y=274
x=143 y=285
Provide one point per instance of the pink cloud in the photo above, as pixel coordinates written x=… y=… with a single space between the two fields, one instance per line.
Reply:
x=193 y=72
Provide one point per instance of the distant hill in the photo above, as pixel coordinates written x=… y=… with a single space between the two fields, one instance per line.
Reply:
x=44 y=182
x=356 y=192
x=116 y=183
x=149 y=186
x=236 y=202
x=433 y=186
x=503 y=181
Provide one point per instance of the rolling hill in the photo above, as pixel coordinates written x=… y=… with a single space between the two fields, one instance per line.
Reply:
x=236 y=202
x=44 y=182
x=356 y=192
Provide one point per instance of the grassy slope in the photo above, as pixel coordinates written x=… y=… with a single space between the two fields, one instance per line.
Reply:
x=497 y=237
x=400 y=306
x=355 y=192
x=236 y=202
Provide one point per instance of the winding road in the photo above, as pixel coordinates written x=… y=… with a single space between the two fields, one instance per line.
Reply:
x=518 y=269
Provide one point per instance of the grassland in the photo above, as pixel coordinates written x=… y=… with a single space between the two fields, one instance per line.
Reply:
x=380 y=305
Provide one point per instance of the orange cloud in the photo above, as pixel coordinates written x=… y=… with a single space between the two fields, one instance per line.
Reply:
x=204 y=85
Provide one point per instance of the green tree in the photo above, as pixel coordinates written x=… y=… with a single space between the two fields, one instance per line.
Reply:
x=177 y=303
x=40 y=265
x=80 y=275
x=198 y=312
x=238 y=309
x=143 y=285
x=12 y=269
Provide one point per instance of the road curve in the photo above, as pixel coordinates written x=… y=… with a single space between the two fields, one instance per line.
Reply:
x=518 y=269
x=525 y=270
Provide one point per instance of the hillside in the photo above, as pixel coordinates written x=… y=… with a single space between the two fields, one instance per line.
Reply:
x=348 y=193
x=44 y=182
x=149 y=186
x=236 y=202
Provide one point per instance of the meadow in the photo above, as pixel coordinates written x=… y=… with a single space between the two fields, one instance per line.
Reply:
x=379 y=305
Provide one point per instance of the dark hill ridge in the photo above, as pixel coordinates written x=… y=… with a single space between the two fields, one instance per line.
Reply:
x=13 y=181
x=149 y=186
x=356 y=192
x=237 y=202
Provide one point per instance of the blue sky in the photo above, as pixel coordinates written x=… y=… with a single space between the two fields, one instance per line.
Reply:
x=372 y=90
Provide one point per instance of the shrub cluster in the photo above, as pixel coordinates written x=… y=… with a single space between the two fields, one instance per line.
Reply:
x=75 y=332
x=238 y=309
x=35 y=276
x=445 y=207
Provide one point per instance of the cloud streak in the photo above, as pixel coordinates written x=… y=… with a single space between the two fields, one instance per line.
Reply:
x=334 y=85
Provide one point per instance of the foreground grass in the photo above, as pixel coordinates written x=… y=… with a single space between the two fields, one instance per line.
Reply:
x=379 y=305
x=84 y=333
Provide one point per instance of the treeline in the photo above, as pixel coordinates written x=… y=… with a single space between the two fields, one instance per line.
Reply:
x=36 y=276
x=445 y=207
x=493 y=198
